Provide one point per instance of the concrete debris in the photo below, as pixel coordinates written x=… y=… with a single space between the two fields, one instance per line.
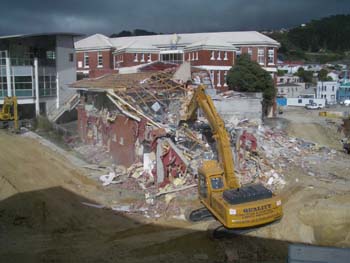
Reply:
x=108 y=179
x=142 y=132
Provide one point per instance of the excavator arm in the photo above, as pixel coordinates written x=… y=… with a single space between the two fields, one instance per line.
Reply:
x=201 y=100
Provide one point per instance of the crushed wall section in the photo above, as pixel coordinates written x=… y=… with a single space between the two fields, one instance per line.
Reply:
x=119 y=136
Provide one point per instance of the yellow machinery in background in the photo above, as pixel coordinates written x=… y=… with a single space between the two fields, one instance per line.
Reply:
x=235 y=206
x=9 y=113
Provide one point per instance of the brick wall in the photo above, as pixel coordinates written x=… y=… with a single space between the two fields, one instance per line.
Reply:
x=107 y=62
x=118 y=137
x=128 y=59
x=205 y=58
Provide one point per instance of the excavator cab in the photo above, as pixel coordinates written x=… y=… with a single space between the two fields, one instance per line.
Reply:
x=9 y=113
x=248 y=206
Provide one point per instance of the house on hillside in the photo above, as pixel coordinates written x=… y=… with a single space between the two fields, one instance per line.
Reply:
x=327 y=90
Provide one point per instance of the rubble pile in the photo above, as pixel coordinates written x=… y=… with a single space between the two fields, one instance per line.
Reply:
x=161 y=157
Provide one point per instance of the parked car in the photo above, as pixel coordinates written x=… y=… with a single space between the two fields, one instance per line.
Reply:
x=347 y=102
x=314 y=106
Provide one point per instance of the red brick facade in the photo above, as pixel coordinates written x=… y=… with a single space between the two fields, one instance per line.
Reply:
x=134 y=59
x=118 y=137
x=217 y=62
x=93 y=68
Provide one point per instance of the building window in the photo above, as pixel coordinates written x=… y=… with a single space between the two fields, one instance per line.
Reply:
x=219 y=55
x=225 y=78
x=238 y=52
x=225 y=55
x=86 y=60
x=332 y=88
x=71 y=57
x=250 y=52
x=149 y=59
x=212 y=77
x=189 y=57
x=192 y=56
x=197 y=55
x=51 y=55
x=212 y=55
x=218 y=76
x=176 y=57
x=99 y=60
x=261 y=56
x=136 y=57
x=271 y=54
x=142 y=57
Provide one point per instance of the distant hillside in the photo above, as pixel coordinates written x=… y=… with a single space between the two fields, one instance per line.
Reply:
x=329 y=37
x=136 y=32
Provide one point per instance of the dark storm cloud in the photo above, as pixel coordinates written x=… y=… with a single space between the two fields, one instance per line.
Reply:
x=108 y=16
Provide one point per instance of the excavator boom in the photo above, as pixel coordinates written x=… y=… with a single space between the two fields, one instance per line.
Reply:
x=201 y=100
x=233 y=205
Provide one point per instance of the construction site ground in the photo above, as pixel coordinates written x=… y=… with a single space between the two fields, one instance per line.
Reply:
x=51 y=211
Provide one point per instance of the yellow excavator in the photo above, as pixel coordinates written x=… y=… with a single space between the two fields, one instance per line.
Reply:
x=235 y=206
x=9 y=113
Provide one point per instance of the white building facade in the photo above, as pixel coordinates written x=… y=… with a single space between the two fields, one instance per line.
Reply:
x=327 y=90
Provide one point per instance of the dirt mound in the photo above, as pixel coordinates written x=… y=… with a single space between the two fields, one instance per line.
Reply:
x=317 y=133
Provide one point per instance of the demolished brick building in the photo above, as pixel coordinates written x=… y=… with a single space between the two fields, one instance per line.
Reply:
x=133 y=115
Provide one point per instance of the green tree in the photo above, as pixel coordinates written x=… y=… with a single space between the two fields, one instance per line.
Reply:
x=248 y=76
x=306 y=76
x=322 y=75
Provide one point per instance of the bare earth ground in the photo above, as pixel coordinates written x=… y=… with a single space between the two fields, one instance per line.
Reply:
x=42 y=218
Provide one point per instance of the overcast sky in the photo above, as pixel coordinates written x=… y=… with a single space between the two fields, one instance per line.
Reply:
x=167 y=16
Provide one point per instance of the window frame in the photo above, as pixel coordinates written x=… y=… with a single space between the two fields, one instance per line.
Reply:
x=261 y=56
x=99 y=59
x=86 y=62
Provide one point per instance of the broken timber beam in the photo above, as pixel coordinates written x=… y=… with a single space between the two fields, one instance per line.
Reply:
x=134 y=109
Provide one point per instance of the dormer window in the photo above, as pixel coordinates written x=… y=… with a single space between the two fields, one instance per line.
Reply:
x=197 y=55
x=225 y=55
x=142 y=57
x=219 y=55
x=149 y=59
x=136 y=57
